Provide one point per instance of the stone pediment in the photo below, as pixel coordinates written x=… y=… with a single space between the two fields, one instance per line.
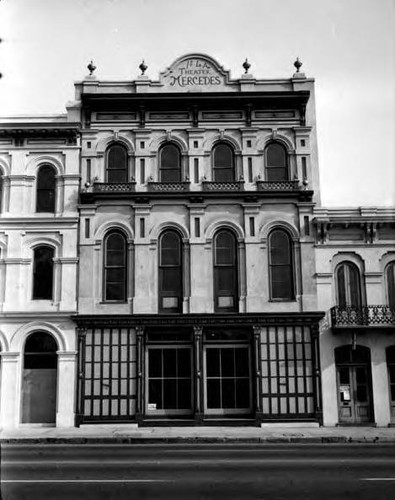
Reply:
x=195 y=73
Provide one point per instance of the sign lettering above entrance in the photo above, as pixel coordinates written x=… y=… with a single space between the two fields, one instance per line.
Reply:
x=194 y=72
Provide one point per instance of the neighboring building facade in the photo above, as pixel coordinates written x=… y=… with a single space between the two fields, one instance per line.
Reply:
x=39 y=164
x=356 y=286
x=158 y=261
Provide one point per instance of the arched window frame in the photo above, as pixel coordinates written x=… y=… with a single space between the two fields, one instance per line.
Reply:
x=351 y=296
x=46 y=195
x=47 y=355
x=43 y=273
x=1 y=190
x=121 y=268
x=122 y=171
x=390 y=284
x=223 y=174
x=176 y=268
x=167 y=174
x=232 y=267
x=282 y=173
x=288 y=266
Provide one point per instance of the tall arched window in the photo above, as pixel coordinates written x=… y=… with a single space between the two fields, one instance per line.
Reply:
x=1 y=190
x=348 y=285
x=115 y=267
x=169 y=163
x=276 y=162
x=43 y=273
x=46 y=185
x=226 y=295
x=280 y=266
x=170 y=272
x=39 y=379
x=390 y=278
x=223 y=163
x=117 y=164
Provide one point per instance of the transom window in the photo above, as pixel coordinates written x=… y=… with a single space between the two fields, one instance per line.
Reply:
x=169 y=163
x=225 y=271
x=117 y=164
x=115 y=259
x=223 y=163
x=43 y=273
x=348 y=285
x=46 y=183
x=170 y=272
x=276 y=163
x=280 y=266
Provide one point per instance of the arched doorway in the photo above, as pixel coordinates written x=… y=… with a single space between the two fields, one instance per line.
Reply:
x=354 y=384
x=39 y=379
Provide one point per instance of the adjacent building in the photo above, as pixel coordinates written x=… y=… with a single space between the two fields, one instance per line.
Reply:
x=165 y=259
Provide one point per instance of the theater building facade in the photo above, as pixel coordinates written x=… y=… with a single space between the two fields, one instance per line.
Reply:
x=197 y=297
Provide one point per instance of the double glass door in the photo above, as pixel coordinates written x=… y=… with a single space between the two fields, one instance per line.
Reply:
x=354 y=394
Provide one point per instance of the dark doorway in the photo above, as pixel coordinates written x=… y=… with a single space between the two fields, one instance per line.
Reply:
x=39 y=379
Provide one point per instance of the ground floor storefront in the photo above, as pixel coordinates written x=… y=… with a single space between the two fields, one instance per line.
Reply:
x=199 y=369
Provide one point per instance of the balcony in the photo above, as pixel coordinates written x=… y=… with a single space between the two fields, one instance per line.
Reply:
x=114 y=187
x=168 y=187
x=223 y=186
x=278 y=185
x=362 y=318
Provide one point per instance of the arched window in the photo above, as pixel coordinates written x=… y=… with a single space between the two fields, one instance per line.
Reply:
x=39 y=379
x=276 y=162
x=348 y=285
x=43 y=273
x=225 y=272
x=280 y=266
x=1 y=190
x=46 y=185
x=390 y=278
x=117 y=164
x=170 y=272
x=223 y=163
x=169 y=163
x=115 y=267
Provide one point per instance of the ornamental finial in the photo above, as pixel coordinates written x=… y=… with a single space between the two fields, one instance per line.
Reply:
x=246 y=65
x=298 y=64
x=143 y=67
x=91 y=68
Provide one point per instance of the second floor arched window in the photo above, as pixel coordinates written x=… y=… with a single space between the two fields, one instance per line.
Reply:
x=348 y=285
x=169 y=163
x=116 y=164
x=276 y=162
x=390 y=279
x=223 y=163
x=170 y=272
x=43 y=273
x=46 y=186
x=226 y=294
x=281 y=272
x=115 y=267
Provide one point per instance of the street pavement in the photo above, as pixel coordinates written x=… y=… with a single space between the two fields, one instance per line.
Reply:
x=198 y=471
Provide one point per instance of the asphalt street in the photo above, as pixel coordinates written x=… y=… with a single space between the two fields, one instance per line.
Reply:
x=217 y=471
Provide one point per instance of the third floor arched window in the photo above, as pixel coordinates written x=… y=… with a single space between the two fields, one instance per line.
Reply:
x=276 y=162
x=223 y=163
x=46 y=186
x=117 y=164
x=169 y=163
x=348 y=285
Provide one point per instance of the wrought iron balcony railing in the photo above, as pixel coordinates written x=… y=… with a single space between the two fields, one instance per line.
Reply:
x=277 y=185
x=113 y=187
x=365 y=316
x=223 y=186
x=168 y=187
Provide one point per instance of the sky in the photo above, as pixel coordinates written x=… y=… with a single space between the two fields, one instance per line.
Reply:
x=348 y=46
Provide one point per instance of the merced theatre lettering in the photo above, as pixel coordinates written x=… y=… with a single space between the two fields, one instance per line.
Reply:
x=195 y=72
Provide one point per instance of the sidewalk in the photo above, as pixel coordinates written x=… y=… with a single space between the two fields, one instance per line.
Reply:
x=116 y=434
